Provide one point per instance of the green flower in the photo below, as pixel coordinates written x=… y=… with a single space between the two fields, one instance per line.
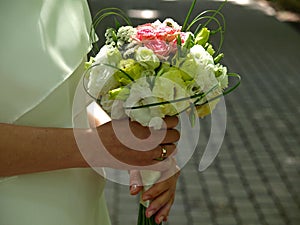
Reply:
x=120 y=93
x=174 y=74
x=130 y=70
x=190 y=68
x=163 y=69
x=171 y=86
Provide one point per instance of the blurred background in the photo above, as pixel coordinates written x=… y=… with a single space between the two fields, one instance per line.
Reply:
x=255 y=178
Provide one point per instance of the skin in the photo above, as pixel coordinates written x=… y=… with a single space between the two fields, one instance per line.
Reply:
x=161 y=194
x=25 y=149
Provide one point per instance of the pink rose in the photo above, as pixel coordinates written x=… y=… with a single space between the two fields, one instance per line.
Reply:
x=150 y=31
x=145 y=32
x=161 y=48
x=183 y=36
x=166 y=33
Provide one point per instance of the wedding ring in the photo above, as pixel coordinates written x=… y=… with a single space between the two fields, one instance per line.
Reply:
x=163 y=154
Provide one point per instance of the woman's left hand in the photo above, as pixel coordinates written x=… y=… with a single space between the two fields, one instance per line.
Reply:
x=161 y=194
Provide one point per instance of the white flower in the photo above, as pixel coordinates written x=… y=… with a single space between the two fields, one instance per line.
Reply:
x=189 y=66
x=205 y=76
x=138 y=92
x=171 y=23
x=156 y=122
x=201 y=56
x=141 y=94
x=221 y=74
x=157 y=23
x=114 y=108
x=125 y=33
x=101 y=78
x=147 y=58
x=117 y=110
x=168 y=90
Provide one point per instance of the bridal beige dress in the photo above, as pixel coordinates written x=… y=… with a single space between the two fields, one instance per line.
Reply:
x=42 y=49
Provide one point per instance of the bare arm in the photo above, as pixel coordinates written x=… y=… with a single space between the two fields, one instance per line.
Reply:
x=25 y=149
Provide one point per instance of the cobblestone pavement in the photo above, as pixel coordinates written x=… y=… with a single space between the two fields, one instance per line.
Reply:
x=255 y=178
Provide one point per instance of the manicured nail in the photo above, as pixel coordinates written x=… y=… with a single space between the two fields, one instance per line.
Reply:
x=133 y=188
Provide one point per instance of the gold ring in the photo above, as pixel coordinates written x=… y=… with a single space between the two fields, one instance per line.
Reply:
x=163 y=154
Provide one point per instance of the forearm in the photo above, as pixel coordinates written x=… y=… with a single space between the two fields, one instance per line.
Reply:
x=32 y=149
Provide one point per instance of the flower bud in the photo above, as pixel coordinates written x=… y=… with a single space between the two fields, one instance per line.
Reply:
x=202 y=37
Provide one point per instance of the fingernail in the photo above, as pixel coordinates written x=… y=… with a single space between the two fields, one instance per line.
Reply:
x=150 y=213
x=133 y=188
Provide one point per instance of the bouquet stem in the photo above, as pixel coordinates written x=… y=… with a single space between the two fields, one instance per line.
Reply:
x=143 y=220
x=149 y=178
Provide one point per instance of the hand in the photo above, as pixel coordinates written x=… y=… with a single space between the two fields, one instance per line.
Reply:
x=138 y=149
x=161 y=194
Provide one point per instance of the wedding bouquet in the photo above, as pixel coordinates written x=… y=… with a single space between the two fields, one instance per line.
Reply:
x=158 y=69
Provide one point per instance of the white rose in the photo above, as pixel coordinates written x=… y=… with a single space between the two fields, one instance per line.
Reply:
x=201 y=56
x=101 y=78
x=147 y=58
x=138 y=92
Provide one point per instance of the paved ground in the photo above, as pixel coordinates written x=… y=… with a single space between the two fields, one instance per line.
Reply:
x=255 y=178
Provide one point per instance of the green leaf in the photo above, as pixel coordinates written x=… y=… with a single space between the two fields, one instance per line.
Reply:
x=117 y=24
x=187 y=18
x=192 y=116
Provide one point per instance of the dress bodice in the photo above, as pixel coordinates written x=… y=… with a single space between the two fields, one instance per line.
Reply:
x=43 y=46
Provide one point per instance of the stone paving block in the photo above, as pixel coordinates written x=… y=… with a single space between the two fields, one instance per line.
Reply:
x=177 y=220
x=226 y=220
x=275 y=220
x=256 y=179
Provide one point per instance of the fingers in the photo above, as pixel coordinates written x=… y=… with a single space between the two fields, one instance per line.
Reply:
x=163 y=213
x=171 y=121
x=158 y=189
x=136 y=152
x=171 y=136
x=173 y=171
x=162 y=195
x=160 y=206
x=161 y=166
x=136 y=184
x=164 y=151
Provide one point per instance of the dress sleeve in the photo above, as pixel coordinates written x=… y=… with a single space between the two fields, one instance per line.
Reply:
x=42 y=43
